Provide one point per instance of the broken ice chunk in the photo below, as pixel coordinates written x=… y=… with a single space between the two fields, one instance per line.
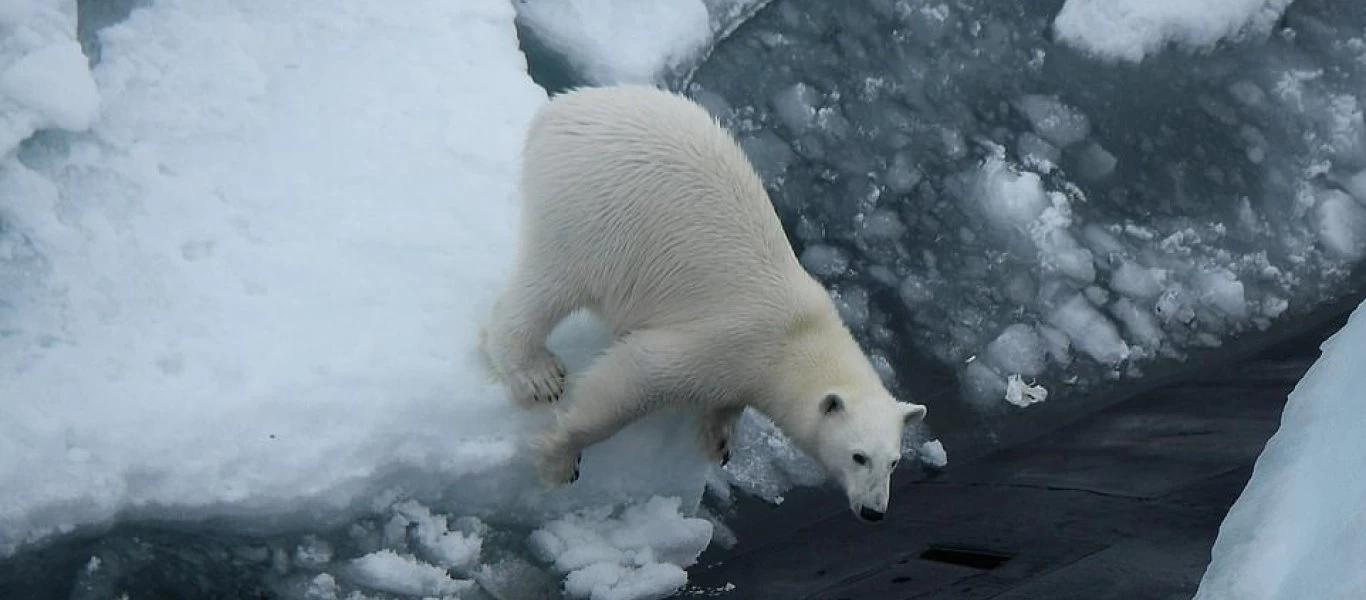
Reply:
x=1019 y=349
x=825 y=261
x=933 y=454
x=1089 y=330
x=1056 y=122
x=796 y=106
x=1341 y=225
x=1094 y=162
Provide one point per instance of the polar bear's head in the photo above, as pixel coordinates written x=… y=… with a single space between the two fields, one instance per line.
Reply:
x=858 y=442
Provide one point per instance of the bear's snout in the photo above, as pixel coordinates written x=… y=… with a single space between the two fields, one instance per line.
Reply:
x=870 y=515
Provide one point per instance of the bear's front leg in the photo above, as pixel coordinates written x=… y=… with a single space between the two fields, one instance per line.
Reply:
x=622 y=385
x=718 y=429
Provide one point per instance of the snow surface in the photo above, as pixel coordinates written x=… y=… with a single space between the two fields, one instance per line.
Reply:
x=1296 y=531
x=1131 y=30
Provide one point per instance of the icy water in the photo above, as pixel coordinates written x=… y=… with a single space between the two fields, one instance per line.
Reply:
x=993 y=210
x=1017 y=209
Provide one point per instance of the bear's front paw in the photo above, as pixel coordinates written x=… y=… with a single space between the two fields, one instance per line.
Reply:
x=540 y=382
x=559 y=469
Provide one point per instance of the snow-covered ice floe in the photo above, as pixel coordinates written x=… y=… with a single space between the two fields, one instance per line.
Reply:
x=1298 y=530
x=1130 y=30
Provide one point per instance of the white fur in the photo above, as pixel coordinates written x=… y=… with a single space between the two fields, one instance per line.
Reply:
x=639 y=207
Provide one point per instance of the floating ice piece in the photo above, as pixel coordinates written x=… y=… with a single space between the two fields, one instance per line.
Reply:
x=1010 y=199
x=1136 y=281
x=1089 y=330
x=1296 y=530
x=1130 y=30
x=1023 y=394
x=1220 y=289
x=1139 y=323
x=852 y=304
x=1094 y=162
x=796 y=106
x=1053 y=120
x=1356 y=185
x=621 y=41
x=1341 y=225
x=915 y=290
x=1036 y=153
x=824 y=260
x=902 y=175
x=1018 y=349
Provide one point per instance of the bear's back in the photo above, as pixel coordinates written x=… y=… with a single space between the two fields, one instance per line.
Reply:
x=655 y=200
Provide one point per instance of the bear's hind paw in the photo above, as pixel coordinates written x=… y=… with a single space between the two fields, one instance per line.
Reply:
x=559 y=470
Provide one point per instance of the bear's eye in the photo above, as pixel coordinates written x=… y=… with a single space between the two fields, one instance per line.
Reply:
x=860 y=458
x=895 y=463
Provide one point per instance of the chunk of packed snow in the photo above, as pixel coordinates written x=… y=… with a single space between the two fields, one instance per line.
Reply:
x=1220 y=289
x=1036 y=153
x=933 y=454
x=1089 y=330
x=447 y=548
x=1018 y=349
x=1132 y=29
x=44 y=77
x=1094 y=162
x=1140 y=324
x=1010 y=199
x=1341 y=225
x=1136 y=281
x=902 y=174
x=394 y=573
x=621 y=41
x=1023 y=394
x=1296 y=529
x=640 y=553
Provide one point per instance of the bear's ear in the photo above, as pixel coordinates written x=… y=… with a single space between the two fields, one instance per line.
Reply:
x=831 y=404
x=913 y=413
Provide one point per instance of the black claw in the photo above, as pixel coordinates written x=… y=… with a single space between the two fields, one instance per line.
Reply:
x=725 y=458
x=575 y=477
x=578 y=460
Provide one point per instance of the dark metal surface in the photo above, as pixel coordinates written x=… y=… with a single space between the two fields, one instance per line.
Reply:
x=1124 y=503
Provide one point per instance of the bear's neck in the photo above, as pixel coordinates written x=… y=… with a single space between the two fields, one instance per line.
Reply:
x=817 y=354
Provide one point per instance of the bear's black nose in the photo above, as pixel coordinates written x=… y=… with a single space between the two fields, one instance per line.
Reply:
x=870 y=515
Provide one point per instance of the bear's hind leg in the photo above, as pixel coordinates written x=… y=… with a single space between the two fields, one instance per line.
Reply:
x=622 y=385
x=526 y=312
x=718 y=431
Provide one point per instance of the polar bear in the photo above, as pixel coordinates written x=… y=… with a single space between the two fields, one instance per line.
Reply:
x=639 y=207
